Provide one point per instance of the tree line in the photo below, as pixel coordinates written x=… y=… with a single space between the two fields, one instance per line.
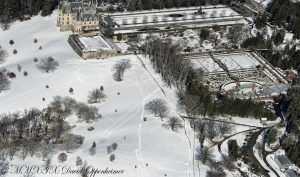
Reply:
x=166 y=59
x=11 y=10
x=287 y=21
x=194 y=97
x=291 y=143
x=287 y=58
x=198 y=100
x=38 y=132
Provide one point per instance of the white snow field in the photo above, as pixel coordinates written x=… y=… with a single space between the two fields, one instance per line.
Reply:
x=139 y=142
x=153 y=149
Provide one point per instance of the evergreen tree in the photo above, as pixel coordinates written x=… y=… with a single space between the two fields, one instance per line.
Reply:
x=11 y=10
x=47 y=7
x=279 y=38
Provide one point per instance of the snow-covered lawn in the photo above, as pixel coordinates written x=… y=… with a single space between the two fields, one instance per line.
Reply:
x=153 y=149
x=139 y=142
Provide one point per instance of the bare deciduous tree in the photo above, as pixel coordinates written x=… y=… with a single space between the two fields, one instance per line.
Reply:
x=114 y=146
x=112 y=157
x=47 y=64
x=215 y=170
x=71 y=141
x=236 y=34
x=174 y=123
x=62 y=106
x=224 y=128
x=167 y=60
x=19 y=67
x=47 y=163
x=62 y=157
x=201 y=128
x=211 y=129
x=109 y=149
x=165 y=18
x=194 y=16
x=85 y=170
x=145 y=20
x=228 y=163
x=204 y=154
x=87 y=113
x=124 y=22
x=134 y=20
x=4 y=82
x=259 y=146
x=24 y=151
x=3 y=55
x=37 y=131
x=78 y=161
x=154 y=19
x=96 y=96
x=93 y=149
x=190 y=104
x=45 y=149
x=120 y=68
x=3 y=166
x=158 y=107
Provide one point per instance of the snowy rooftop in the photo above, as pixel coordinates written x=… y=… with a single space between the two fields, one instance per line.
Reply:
x=94 y=43
x=221 y=15
x=233 y=61
x=237 y=61
x=207 y=64
x=283 y=160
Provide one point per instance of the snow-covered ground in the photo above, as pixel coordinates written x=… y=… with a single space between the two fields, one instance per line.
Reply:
x=270 y=159
x=153 y=149
x=258 y=154
x=139 y=142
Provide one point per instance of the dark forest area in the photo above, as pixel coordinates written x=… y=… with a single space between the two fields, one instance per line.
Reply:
x=11 y=10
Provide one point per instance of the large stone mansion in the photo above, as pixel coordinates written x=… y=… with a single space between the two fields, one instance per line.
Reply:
x=81 y=18
x=78 y=15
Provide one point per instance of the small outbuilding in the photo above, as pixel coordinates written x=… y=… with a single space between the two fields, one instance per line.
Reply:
x=263 y=121
x=290 y=173
x=94 y=46
x=283 y=162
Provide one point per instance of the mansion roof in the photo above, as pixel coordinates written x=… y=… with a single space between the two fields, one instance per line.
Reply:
x=81 y=9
